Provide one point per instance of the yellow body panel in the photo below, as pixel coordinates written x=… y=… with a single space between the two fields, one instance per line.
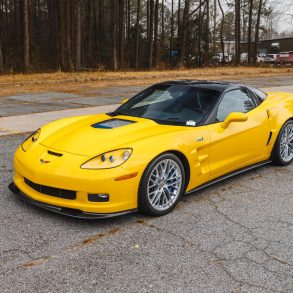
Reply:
x=210 y=151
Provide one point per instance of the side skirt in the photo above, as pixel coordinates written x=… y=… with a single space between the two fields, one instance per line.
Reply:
x=229 y=175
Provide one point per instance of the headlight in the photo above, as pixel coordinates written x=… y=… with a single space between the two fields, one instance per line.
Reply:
x=28 y=142
x=108 y=160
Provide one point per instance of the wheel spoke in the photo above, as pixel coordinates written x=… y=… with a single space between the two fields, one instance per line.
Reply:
x=166 y=168
x=166 y=199
x=290 y=132
x=171 y=170
x=174 y=178
x=155 y=183
x=282 y=148
x=173 y=183
x=152 y=193
x=155 y=176
x=167 y=193
x=287 y=152
x=156 y=197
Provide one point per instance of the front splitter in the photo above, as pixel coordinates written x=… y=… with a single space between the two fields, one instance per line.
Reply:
x=75 y=213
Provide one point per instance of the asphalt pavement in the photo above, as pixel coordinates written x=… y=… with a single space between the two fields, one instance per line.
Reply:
x=54 y=101
x=235 y=236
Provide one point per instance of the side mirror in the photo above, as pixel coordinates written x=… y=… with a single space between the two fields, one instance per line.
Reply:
x=124 y=101
x=234 y=117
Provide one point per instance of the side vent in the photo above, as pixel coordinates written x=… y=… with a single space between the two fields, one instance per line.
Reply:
x=270 y=137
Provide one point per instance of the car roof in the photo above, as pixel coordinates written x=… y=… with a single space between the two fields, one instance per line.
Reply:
x=215 y=85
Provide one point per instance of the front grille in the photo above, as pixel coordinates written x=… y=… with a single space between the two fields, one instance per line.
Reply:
x=52 y=191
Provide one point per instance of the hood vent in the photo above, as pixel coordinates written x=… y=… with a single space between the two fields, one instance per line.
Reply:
x=55 y=154
x=112 y=123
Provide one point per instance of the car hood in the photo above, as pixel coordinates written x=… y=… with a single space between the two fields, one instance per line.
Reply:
x=96 y=134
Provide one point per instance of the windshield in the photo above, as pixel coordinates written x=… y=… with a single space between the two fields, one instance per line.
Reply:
x=172 y=104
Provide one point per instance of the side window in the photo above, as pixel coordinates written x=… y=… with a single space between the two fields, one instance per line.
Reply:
x=234 y=101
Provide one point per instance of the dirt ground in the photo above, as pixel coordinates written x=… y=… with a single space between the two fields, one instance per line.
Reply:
x=76 y=82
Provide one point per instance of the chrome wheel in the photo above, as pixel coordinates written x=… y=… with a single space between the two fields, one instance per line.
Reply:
x=164 y=184
x=286 y=144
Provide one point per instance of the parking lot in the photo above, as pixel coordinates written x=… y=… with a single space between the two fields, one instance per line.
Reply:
x=235 y=236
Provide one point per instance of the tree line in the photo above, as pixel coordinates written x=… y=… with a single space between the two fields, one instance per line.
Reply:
x=73 y=35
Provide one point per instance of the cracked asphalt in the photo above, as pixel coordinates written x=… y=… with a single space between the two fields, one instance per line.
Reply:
x=235 y=236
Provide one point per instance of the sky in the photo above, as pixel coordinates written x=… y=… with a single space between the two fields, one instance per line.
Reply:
x=284 y=10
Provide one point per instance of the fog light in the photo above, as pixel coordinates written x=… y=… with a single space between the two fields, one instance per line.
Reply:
x=100 y=197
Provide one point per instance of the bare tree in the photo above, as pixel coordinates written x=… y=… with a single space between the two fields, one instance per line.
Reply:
x=207 y=29
x=214 y=24
x=26 y=37
x=69 y=65
x=237 y=31
x=184 y=33
x=114 y=35
x=249 y=31
x=78 y=36
x=151 y=33
x=121 y=32
x=100 y=29
x=256 y=39
x=137 y=35
x=199 y=37
x=128 y=23
x=221 y=33
x=179 y=20
x=156 y=34
x=163 y=21
x=1 y=59
x=61 y=34
x=172 y=26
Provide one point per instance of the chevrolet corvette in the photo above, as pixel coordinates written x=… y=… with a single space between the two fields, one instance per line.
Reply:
x=172 y=138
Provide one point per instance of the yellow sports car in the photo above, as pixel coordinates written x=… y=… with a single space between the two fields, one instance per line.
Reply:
x=172 y=138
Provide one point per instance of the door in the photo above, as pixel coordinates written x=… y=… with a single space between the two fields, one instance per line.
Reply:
x=241 y=143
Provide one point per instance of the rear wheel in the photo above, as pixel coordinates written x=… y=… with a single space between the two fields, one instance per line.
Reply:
x=162 y=185
x=283 y=150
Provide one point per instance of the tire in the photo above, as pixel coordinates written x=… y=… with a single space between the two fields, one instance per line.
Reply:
x=282 y=154
x=159 y=191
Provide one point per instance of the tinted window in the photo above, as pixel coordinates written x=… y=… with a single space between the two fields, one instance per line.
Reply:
x=234 y=101
x=172 y=104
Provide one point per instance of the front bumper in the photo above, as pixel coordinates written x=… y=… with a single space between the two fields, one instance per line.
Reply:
x=64 y=211
x=65 y=173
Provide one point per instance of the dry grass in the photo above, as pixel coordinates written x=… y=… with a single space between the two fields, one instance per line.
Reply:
x=85 y=81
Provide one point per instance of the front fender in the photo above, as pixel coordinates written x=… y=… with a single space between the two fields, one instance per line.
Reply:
x=184 y=142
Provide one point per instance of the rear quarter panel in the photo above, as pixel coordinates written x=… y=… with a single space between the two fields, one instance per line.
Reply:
x=279 y=107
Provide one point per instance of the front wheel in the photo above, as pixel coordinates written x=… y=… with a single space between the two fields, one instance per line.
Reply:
x=283 y=150
x=162 y=185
